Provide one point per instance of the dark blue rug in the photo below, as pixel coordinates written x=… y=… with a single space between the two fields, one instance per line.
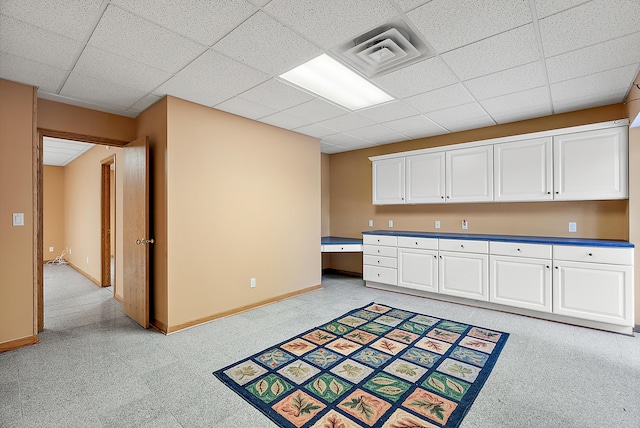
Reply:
x=375 y=366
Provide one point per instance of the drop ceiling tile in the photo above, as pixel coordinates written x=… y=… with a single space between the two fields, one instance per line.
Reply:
x=388 y=138
x=73 y=19
x=357 y=145
x=423 y=76
x=46 y=77
x=245 y=108
x=580 y=103
x=415 y=126
x=135 y=38
x=344 y=140
x=518 y=106
x=330 y=22
x=450 y=24
x=461 y=118
x=515 y=79
x=347 y=122
x=407 y=5
x=315 y=130
x=588 y=24
x=606 y=82
x=276 y=94
x=440 y=99
x=549 y=7
x=317 y=110
x=104 y=65
x=285 y=120
x=28 y=41
x=388 y=111
x=330 y=148
x=203 y=21
x=507 y=50
x=374 y=132
x=593 y=59
x=144 y=103
x=99 y=91
x=211 y=79
x=267 y=45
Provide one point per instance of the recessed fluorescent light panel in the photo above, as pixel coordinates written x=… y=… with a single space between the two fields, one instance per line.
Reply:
x=330 y=79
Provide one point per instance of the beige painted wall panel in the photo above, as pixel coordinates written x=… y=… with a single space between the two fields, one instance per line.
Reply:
x=153 y=123
x=244 y=200
x=633 y=111
x=53 y=211
x=57 y=116
x=351 y=200
x=82 y=209
x=16 y=187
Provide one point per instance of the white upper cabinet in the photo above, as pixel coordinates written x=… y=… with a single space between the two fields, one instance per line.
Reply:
x=388 y=181
x=523 y=170
x=591 y=165
x=469 y=176
x=425 y=178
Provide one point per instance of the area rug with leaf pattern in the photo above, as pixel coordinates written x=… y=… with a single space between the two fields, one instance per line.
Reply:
x=375 y=366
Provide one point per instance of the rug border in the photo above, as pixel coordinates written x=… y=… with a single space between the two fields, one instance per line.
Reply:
x=275 y=417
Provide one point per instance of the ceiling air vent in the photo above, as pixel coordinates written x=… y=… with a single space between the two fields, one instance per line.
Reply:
x=384 y=49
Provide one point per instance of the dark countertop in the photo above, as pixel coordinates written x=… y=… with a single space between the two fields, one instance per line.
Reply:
x=337 y=240
x=506 y=238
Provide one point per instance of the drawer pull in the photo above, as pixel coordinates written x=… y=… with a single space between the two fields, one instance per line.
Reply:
x=547 y=266
x=590 y=254
x=435 y=257
x=378 y=251
x=556 y=267
x=378 y=261
x=416 y=243
x=518 y=249
x=342 y=248
x=548 y=193
x=461 y=246
x=378 y=275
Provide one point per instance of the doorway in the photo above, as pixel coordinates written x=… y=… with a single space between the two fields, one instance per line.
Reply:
x=107 y=247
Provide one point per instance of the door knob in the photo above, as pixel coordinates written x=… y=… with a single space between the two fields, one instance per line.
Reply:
x=145 y=241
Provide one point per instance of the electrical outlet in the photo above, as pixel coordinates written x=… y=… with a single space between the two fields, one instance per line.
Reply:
x=437 y=224
x=465 y=225
x=390 y=223
x=51 y=249
x=253 y=283
x=87 y=259
x=573 y=226
x=370 y=223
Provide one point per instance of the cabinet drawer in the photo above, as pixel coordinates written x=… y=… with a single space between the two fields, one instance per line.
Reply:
x=423 y=243
x=380 y=240
x=536 y=251
x=614 y=256
x=390 y=262
x=464 y=246
x=377 y=250
x=380 y=274
x=341 y=248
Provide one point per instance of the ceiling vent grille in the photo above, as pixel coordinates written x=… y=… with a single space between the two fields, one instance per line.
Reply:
x=384 y=49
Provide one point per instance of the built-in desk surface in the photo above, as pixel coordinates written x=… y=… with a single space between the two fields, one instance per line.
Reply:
x=338 y=244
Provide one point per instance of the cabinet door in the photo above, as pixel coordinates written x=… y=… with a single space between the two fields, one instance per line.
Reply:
x=425 y=178
x=524 y=170
x=464 y=275
x=521 y=282
x=388 y=181
x=418 y=269
x=594 y=291
x=591 y=165
x=469 y=174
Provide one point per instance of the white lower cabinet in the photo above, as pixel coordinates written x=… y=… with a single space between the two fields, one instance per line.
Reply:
x=380 y=259
x=418 y=269
x=521 y=282
x=464 y=275
x=593 y=291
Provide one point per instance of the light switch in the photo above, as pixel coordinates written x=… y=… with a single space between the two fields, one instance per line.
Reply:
x=18 y=219
x=370 y=223
x=437 y=224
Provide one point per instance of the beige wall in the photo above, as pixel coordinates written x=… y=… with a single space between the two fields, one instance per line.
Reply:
x=82 y=194
x=351 y=200
x=153 y=124
x=633 y=111
x=17 y=126
x=243 y=201
x=61 y=117
x=53 y=211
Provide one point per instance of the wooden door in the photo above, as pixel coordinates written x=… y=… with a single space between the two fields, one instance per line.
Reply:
x=136 y=239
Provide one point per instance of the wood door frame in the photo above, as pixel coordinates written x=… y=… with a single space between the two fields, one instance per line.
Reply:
x=105 y=221
x=38 y=215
